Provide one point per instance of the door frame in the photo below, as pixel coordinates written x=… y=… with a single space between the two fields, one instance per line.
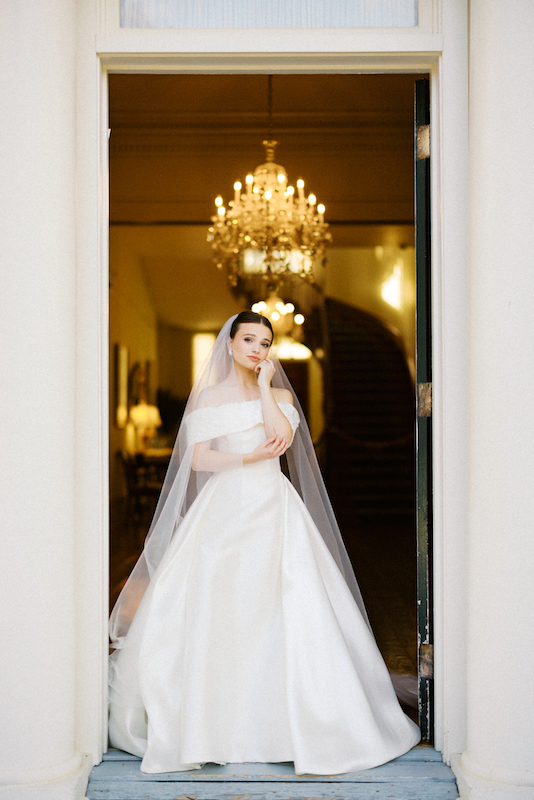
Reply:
x=444 y=57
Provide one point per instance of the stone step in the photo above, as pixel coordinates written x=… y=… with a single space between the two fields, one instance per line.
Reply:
x=418 y=775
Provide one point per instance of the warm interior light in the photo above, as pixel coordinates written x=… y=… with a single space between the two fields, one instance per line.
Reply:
x=312 y=199
x=221 y=211
x=218 y=201
x=288 y=349
x=321 y=208
x=268 y=194
x=248 y=259
x=275 y=316
x=299 y=319
x=237 y=186
x=201 y=347
x=249 y=178
x=281 y=178
x=300 y=183
x=289 y=308
x=291 y=190
x=392 y=287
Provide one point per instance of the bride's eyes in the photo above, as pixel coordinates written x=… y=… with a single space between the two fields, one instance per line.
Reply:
x=263 y=344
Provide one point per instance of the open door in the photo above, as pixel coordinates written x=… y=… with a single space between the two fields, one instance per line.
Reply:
x=424 y=407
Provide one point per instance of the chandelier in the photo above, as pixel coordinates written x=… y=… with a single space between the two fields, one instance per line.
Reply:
x=268 y=228
x=281 y=315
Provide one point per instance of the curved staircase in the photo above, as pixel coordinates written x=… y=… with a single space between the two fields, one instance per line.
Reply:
x=369 y=434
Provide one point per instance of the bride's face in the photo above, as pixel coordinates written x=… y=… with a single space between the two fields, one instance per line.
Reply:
x=250 y=345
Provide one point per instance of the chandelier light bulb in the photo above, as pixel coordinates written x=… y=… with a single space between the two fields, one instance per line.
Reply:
x=299 y=319
x=290 y=190
x=281 y=178
x=237 y=186
x=275 y=316
x=289 y=308
x=321 y=209
x=268 y=194
x=312 y=200
x=218 y=201
x=221 y=211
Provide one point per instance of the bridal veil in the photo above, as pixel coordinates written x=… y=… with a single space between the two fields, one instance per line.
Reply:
x=216 y=386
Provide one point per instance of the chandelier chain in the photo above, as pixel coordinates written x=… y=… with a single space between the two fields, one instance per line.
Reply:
x=270 y=105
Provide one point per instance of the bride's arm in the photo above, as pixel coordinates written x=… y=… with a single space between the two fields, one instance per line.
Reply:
x=207 y=460
x=275 y=421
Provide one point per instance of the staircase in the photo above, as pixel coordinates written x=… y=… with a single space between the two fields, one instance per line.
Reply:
x=369 y=434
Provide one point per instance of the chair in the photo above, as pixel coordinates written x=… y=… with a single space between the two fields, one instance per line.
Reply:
x=143 y=485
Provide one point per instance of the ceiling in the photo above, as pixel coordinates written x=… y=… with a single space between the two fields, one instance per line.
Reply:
x=178 y=141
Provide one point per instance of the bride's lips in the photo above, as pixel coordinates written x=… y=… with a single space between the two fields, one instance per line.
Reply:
x=253 y=358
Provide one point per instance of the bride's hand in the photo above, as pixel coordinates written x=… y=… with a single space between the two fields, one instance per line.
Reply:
x=265 y=371
x=271 y=448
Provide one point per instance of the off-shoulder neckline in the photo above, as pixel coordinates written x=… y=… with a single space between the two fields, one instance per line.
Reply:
x=242 y=402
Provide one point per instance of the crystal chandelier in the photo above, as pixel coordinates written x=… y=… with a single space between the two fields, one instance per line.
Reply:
x=268 y=228
x=281 y=315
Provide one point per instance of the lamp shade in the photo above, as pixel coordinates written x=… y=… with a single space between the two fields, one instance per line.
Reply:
x=145 y=416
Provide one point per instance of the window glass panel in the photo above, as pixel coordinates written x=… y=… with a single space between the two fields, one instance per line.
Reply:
x=268 y=13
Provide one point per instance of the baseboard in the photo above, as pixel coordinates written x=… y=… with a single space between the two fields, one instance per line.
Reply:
x=71 y=787
x=471 y=787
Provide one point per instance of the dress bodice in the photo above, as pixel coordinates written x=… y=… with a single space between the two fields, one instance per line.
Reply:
x=234 y=427
x=252 y=433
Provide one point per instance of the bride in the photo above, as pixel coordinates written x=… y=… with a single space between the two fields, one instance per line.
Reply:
x=241 y=635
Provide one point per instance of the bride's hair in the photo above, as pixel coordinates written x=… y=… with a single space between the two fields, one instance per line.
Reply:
x=249 y=316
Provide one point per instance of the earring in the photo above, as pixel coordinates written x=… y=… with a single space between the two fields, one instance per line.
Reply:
x=230 y=353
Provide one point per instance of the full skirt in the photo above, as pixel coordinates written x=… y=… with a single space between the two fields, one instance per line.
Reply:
x=249 y=647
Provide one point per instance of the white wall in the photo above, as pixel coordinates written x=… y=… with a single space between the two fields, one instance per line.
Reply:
x=39 y=756
x=499 y=759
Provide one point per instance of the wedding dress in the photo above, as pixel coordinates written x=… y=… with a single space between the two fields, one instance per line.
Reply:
x=248 y=645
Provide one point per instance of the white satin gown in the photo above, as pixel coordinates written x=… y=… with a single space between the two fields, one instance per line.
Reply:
x=248 y=645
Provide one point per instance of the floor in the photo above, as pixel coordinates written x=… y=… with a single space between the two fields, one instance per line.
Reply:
x=419 y=775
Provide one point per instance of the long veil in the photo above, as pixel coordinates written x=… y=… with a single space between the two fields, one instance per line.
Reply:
x=216 y=385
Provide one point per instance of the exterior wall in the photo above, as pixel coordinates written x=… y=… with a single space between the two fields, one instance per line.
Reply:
x=38 y=366
x=54 y=277
x=498 y=761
